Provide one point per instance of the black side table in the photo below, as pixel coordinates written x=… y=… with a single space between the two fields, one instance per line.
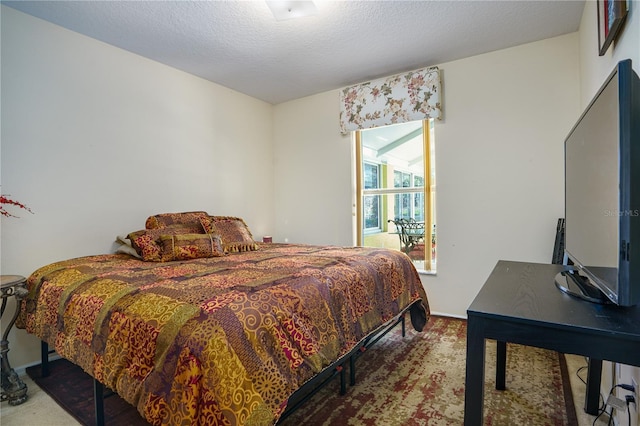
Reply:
x=13 y=388
x=519 y=303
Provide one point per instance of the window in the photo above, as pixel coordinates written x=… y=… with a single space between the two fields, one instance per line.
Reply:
x=371 y=203
x=408 y=206
x=396 y=187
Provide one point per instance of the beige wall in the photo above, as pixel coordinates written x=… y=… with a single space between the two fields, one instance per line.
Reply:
x=95 y=139
x=313 y=181
x=593 y=71
x=499 y=164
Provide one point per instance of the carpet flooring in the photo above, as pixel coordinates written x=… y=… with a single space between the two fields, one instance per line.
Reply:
x=413 y=380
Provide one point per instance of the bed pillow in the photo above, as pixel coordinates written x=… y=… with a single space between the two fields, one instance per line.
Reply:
x=164 y=220
x=189 y=246
x=146 y=244
x=233 y=231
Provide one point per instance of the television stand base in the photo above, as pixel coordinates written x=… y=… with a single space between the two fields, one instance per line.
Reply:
x=572 y=283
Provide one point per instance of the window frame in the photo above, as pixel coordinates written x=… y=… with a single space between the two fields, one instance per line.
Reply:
x=427 y=190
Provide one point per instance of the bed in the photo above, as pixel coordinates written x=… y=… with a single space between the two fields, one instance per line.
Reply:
x=223 y=338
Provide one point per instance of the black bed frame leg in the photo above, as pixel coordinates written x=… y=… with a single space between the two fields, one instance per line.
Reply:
x=44 y=355
x=98 y=401
x=352 y=370
x=98 y=388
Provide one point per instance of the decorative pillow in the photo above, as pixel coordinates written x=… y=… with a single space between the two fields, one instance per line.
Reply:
x=169 y=219
x=126 y=247
x=145 y=241
x=189 y=246
x=233 y=231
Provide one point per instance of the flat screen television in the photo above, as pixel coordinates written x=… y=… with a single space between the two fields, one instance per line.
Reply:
x=602 y=195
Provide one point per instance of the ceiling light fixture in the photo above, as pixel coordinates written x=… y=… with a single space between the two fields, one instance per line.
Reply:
x=283 y=10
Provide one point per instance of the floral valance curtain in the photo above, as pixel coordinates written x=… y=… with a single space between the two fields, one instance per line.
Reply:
x=404 y=97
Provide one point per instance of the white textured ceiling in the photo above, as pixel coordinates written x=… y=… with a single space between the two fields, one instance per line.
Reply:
x=240 y=45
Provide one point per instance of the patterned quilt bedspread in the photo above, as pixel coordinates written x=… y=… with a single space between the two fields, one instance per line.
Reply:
x=222 y=340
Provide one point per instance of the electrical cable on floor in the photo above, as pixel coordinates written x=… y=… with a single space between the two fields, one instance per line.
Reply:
x=629 y=399
x=578 y=371
x=601 y=411
x=603 y=406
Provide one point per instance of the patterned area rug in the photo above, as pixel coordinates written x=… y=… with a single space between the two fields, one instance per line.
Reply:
x=415 y=380
x=419 y=380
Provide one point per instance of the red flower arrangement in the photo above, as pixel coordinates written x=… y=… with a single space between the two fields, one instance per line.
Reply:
x=4 y=200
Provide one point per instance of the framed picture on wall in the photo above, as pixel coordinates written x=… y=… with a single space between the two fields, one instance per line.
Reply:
x=611 y=15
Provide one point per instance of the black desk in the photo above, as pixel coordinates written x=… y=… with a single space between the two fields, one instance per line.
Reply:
x=519 y=303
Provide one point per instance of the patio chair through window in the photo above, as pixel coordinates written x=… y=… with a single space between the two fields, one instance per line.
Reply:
x=411 y=235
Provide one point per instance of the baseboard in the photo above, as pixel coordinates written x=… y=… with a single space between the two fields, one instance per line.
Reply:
x=444 y=314
x=21 y=370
